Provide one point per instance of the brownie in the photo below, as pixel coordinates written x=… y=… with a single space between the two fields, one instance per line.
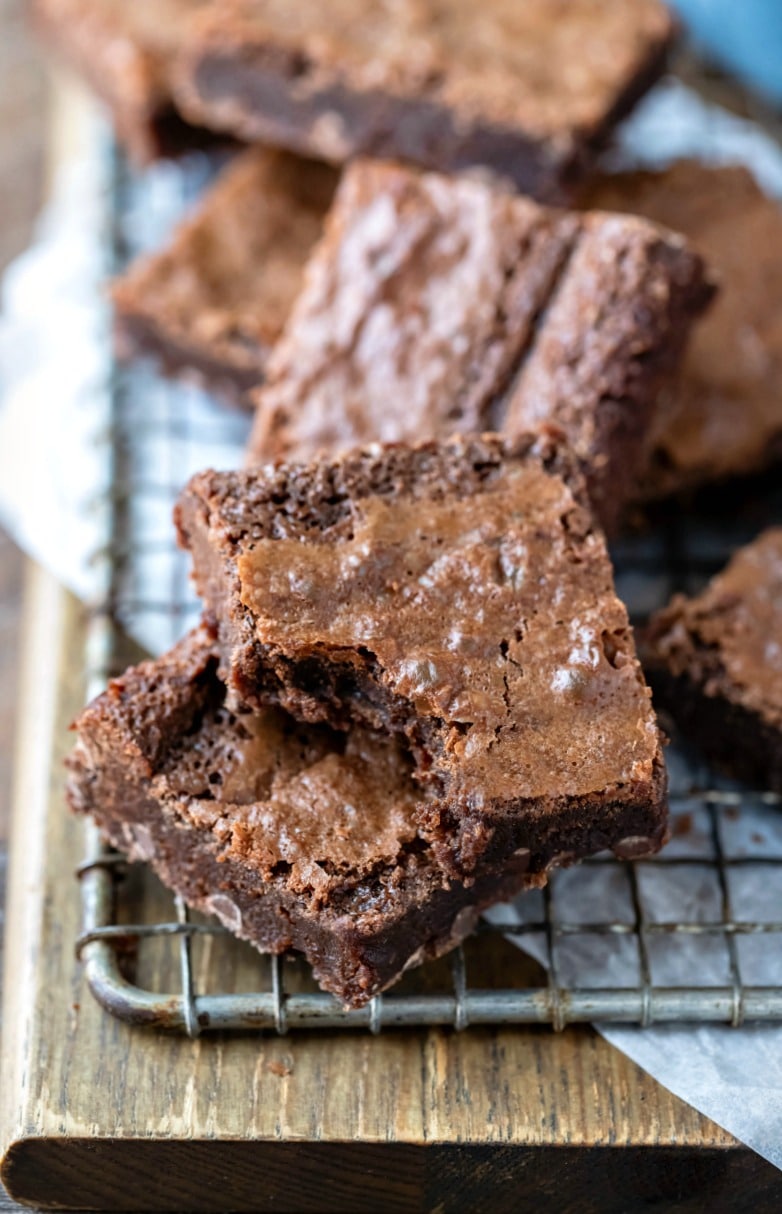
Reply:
x=296 y=837
x=435 y=305
x=528 y=91
x=724 y=416
x=715 y=662
x=125 y=50
x=459 y=597
x=213 y=301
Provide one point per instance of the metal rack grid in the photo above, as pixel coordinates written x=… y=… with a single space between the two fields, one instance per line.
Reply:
x=677 y=553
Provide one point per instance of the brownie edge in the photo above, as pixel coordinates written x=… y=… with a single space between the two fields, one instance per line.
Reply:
x=125 y=50
x=723 y=415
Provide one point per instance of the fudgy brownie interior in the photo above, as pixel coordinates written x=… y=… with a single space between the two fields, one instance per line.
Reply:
x=295 y=836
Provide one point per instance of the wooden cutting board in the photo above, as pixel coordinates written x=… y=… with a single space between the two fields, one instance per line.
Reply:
x=101 y=1116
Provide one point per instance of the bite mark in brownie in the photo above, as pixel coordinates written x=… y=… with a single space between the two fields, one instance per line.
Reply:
x=295 y=836
x=435 y=306
x=125 y=49
x=211 y=304
x=459 y=596
x=528 y=91
x=715 y=662
x=722 y=416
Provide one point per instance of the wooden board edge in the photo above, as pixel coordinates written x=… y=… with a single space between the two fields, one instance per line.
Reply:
x=48 y=611
x=395 y=1178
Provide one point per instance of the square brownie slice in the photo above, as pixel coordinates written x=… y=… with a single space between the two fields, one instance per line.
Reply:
x=456 y=595
x=125 y=50
x=296 y=837
x=212 y=303
x=527 y=90
x=436 y=305
x=715 y=662
x=723 y=415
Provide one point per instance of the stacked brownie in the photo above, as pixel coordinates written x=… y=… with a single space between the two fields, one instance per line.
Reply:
x=413 y=693
x=431 y=305
x=526 y=94
x=294 y=835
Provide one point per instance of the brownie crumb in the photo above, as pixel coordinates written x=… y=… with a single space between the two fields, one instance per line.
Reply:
x=281 y=1067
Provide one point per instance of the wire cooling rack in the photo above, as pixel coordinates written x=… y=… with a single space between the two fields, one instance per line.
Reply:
x=614 y=938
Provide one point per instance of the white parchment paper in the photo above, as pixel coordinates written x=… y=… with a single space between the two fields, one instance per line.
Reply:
x=55 y=375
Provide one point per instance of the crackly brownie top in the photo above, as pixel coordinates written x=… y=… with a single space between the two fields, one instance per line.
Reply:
x=724 y=411
x=319 y=810
x=470 y=576
x=551 y=67
x=729 y=638
x=228 y=278
x=437 y=305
